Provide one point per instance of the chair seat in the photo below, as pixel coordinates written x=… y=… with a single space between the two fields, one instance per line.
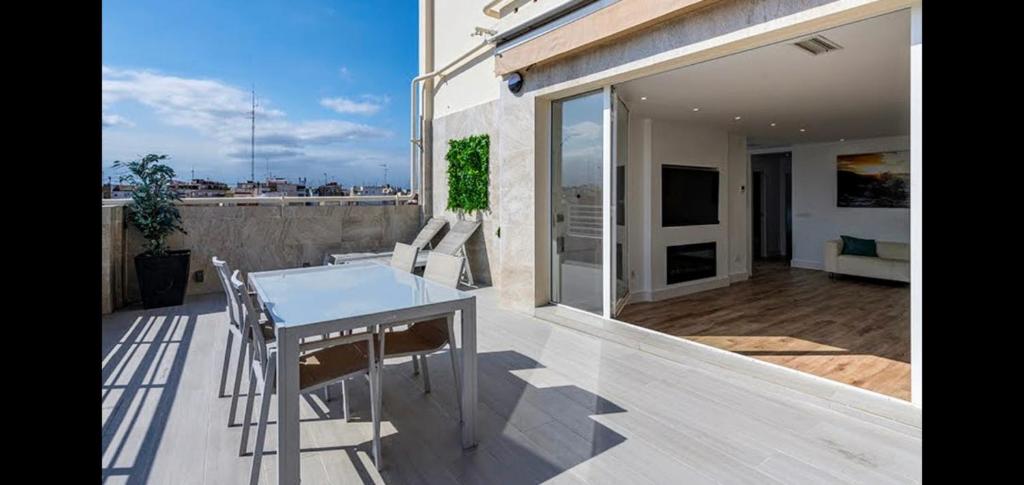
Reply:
x=419 y=337
x=331 y=363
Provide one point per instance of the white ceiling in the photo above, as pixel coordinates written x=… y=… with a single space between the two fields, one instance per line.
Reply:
x=859 y=91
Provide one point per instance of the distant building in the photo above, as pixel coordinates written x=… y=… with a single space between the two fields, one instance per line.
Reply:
x=199 y=188
x=371 y=190
x=330 y=189
x=117 y=191
x=272 y=187
x=376 y=190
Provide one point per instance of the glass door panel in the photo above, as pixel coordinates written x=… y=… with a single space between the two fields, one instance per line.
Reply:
x=577 y=204
x=620 y=153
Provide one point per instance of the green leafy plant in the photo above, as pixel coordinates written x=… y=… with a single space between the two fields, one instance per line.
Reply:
x=153 y=211
x=469 y=173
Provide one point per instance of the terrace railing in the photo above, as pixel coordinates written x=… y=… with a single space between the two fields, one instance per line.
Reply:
x=285 y=201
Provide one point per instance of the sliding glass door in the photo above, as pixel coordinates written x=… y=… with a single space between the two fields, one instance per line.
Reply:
x=620 y=154
x=589 y=256
x=577 y=202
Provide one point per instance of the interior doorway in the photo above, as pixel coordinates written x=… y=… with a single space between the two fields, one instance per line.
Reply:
x=772 y=204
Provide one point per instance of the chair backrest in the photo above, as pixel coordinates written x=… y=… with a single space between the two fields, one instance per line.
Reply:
x=252 y=320
x=456 y=237
x=429 y=232
x=234 y=306
x=444 y=269
x=404 y=257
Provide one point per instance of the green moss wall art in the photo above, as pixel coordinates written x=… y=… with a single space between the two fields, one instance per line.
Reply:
x=468 y=173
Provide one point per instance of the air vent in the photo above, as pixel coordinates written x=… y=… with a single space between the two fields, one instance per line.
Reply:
x=818 y=45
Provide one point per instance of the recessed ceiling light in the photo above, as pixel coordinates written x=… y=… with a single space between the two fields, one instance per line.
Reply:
x=643 y=98
x=773 y=123
x=738 y=118
x=802 y=130
x=696 y=109
x=842 y=139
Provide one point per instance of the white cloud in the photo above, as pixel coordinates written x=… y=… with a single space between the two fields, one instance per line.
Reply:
x=584 y=130
x=209 y=106
x=206 y=122
x=368 y=106
x=111 y=120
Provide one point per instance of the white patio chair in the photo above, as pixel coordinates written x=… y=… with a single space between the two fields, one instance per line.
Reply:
x=424 y=338
x=403 y=258
x=236 y=328
x=326 y=362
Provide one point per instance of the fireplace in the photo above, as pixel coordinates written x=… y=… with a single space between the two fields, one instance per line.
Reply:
x=689 y=262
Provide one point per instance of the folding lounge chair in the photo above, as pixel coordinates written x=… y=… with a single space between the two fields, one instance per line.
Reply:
x=427 y=234
x=453 y=244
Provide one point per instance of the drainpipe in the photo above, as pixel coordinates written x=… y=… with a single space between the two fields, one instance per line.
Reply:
x=426 y=65
x=422 y=146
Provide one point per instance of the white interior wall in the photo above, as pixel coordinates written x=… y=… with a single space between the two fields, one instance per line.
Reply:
x=816 y=218
x=677 y=143
x=815 y=215
x=739 y=207
x=654 y=143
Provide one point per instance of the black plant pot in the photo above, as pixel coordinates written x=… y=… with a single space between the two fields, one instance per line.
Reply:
x=163 y=279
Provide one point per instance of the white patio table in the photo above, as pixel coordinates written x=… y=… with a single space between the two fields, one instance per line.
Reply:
x=304 y=302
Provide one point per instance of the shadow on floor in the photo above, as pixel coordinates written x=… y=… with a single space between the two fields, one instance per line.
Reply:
x=144 y=354
x=526 y=434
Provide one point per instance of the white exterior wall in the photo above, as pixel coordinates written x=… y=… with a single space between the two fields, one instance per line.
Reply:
x=475 y=82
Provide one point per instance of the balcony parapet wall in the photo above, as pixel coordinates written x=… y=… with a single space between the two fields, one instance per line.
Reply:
x=255 y=234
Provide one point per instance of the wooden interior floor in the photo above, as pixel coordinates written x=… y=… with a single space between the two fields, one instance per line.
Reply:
x=851 y=330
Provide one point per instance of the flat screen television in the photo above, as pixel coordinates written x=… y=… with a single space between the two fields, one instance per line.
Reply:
x=689 y=196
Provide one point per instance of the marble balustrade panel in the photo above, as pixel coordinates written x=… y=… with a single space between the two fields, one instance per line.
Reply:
x=260 y=238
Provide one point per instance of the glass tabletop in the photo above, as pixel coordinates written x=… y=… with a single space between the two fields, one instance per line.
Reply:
x=303 y=296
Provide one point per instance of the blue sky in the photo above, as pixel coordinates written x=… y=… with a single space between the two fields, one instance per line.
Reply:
x=332 y=79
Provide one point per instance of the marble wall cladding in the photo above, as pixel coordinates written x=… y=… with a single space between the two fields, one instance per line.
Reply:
x=483 y=248
x=517 y=192
x=112 y=258
x=260 y=238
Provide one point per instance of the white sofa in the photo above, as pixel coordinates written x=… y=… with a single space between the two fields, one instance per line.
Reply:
x=892 y=263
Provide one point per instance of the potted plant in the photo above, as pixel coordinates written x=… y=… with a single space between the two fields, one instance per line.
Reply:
x=162 y=273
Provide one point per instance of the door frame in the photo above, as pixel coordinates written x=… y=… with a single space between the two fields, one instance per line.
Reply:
x=608 y=202
x=619 y=302
x=609 y=302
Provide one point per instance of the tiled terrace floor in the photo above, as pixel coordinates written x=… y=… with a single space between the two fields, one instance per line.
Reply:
x=555 y=406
